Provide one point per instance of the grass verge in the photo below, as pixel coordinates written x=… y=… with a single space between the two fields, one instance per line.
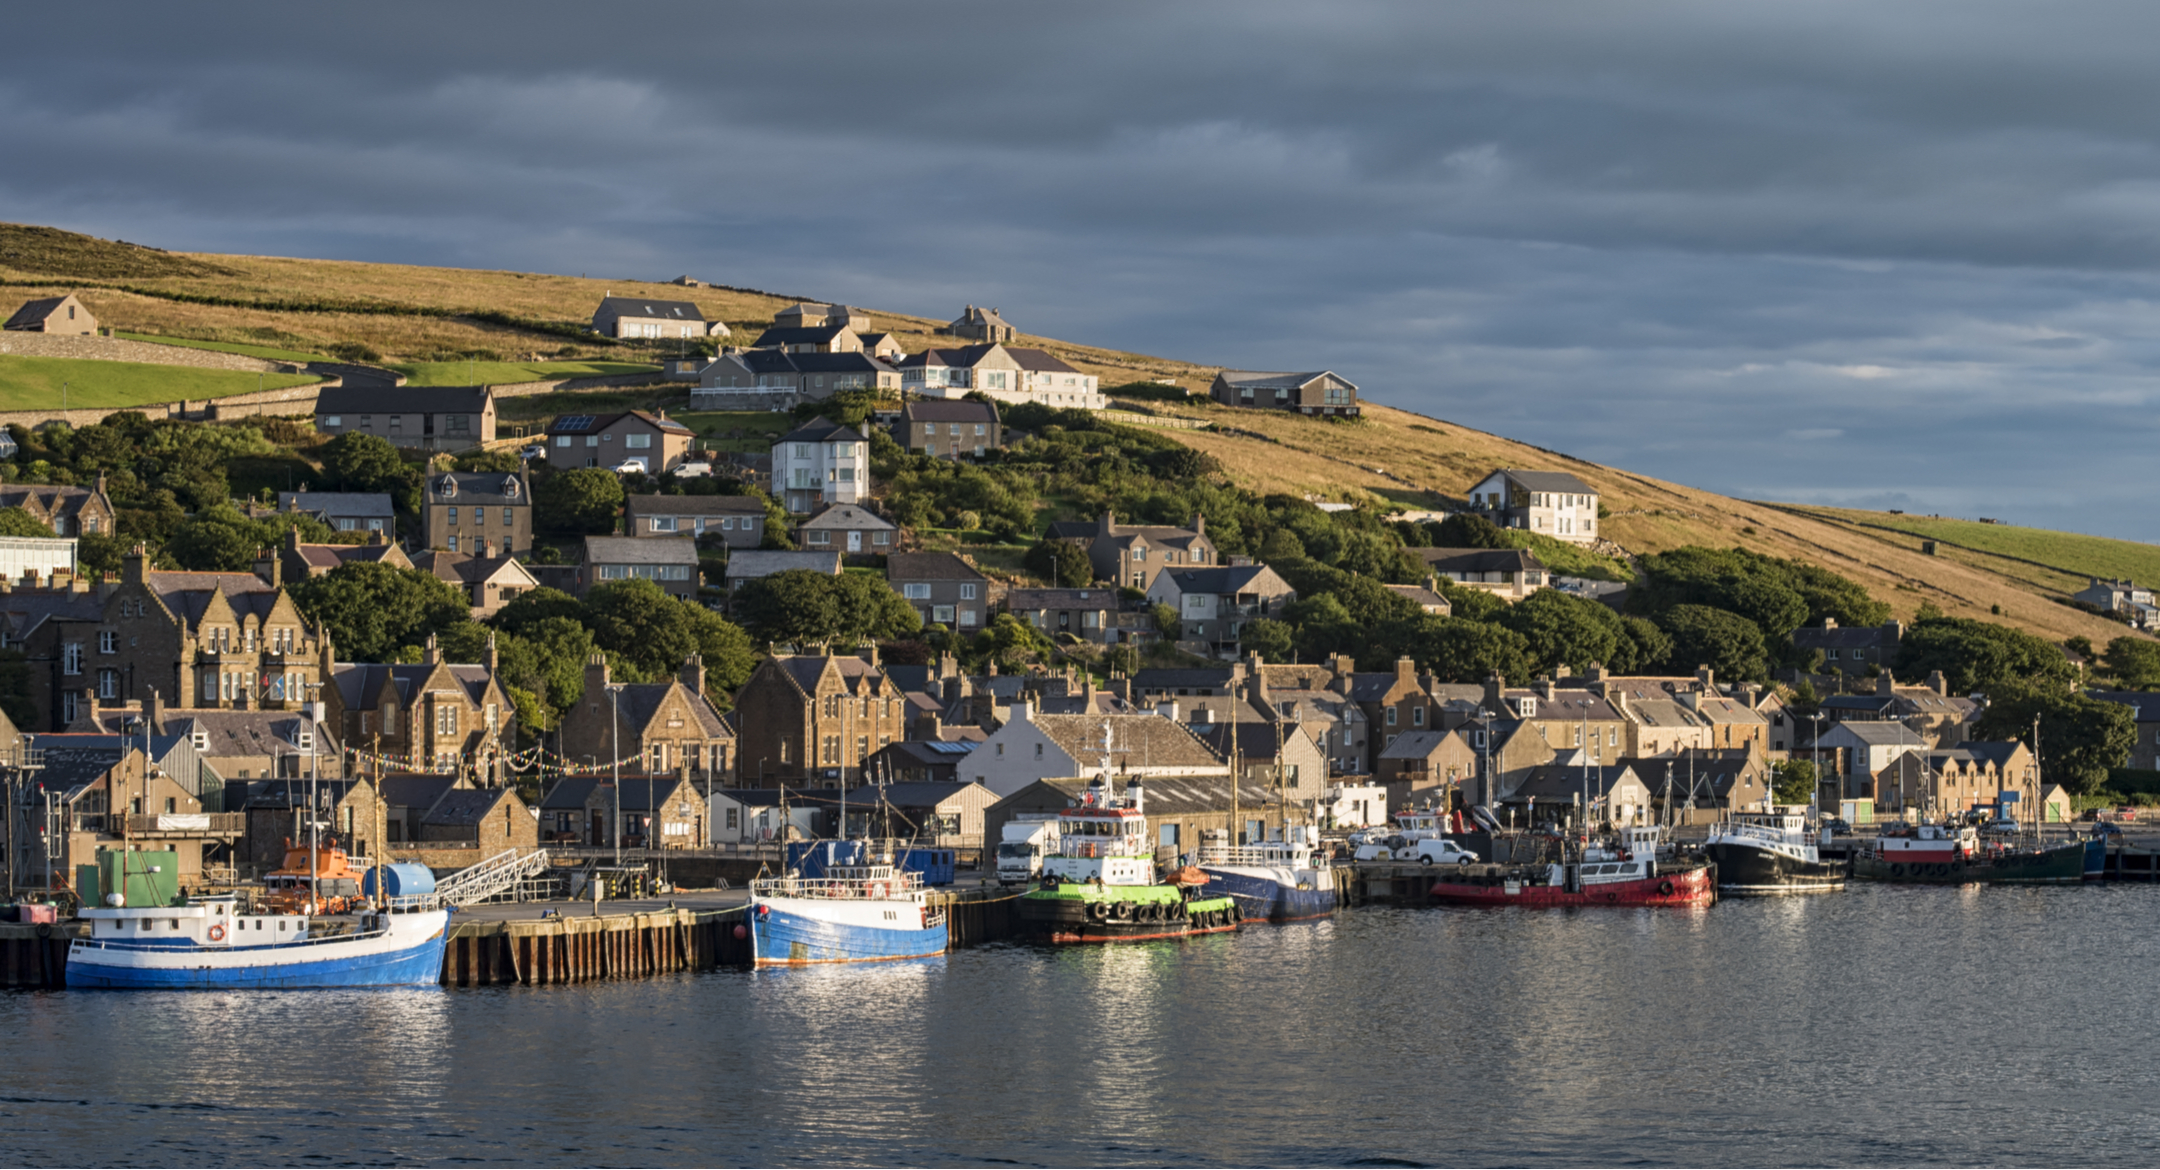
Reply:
x=501 y=373
x=264 y=352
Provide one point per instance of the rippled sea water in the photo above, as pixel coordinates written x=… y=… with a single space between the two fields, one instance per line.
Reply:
x=1884 y=1025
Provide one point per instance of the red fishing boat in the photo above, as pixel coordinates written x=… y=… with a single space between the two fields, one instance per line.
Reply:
x=1636 y=881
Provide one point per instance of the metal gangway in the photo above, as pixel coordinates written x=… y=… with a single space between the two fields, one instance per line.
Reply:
x=501 y=874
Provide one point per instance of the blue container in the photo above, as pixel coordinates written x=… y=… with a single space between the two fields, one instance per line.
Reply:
x=405 y=880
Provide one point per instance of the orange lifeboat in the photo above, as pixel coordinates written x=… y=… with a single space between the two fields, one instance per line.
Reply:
x=331 y=887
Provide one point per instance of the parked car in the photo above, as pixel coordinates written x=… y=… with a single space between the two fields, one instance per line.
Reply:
x=2126 y=813
x=2000 y=825
x=536 y=451
x=693 y=471
x=1838 y=826
x=635 y=463
x=1434 y=851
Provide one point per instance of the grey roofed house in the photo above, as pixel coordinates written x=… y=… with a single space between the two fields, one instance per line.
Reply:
x=1559 y=784
x=1425 y=598
x=960 y=410
x=937 y=566
x=570 y=792
x=783 y=336
x=821 y=430
x=634 y=550
x=374 y=399
x=1414 y=745
x=1023 y=600
x=43 y=315
x=1548 y=481
x=1478 y=560
x=464 y=806
x=1223 y=578
x=333 y=507
x=1319 y=392
x=751 y=564
x=1881 y=733
x=845 y=516
x=614 y=309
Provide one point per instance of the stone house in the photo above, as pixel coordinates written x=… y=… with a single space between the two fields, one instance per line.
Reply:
x=433 y=418
x=669 y=562
x=1131 y=555
x=478 y=822
x=1214 y=604
x=919 y=761
x=1555 y=793
x=818 y=463
x=2121 y=597
x=250 y=744
x=1393 y=702
x=488 y=580
x=609 y=440
x=466 y=512
x=650 y=812
x=811 y=314
x=654 y=319
x=1323 y=392
x=774 y=379
x=1430 y=761
x=950 y=428
x=298 y=562
x=1851 y=650
x=848 y=528
x=68 y=511
x=59 y=315
x=944 y=589
x=1276 y=760
x=980 y=324
x=739 y=520
x=1032 y=747
x=1550 y=503
x=939 y=814
x=1930 y=711
x=803 y=716
x=107 y=794
x=275 y=817
x=430 y=714
x=407 y=797
x=1863 y=749
x=343 y=511
x=1508 y=573
x=1705 y=784
x=809 y=339
x=663 y=726
x=1082 y=613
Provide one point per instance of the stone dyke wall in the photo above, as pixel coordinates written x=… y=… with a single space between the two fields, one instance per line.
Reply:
x=526 y=389
x=112 y=349
x=291 y=400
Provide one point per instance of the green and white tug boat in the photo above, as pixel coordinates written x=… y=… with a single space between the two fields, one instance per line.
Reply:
x=1101 y=887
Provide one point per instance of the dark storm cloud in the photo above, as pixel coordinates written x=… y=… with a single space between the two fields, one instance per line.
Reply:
x=1842 y=252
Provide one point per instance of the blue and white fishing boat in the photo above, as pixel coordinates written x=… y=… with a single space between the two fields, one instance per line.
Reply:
x=853 y=914
x=210 y=944
x=1274 y=880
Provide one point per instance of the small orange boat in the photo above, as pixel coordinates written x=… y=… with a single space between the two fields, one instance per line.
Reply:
x=332 y=886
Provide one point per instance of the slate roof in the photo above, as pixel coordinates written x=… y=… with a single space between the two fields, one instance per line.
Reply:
x=845 y=516
x=34 y=312
x=465 y=806
x=913 y=794
x=593 y=424
x=1415 y=745
x=1997 y=752
x=613 y=307
x=1479 y=560
x=1560 y=783
x=570 y=792
x=949 y=410
x=414 y=789
x=749 y=564
x=465 y=569
x=1842 y=638
x=798 y=335
x=967 y=357
x=820 y=430
x=641 y=703
x=1548 y=481
x=360 y=684
x=330 y=556
x=1885 y=733
x=478 y=487
x=1221 y=578
x=247 y=733
x=697 y=505
x=640 y=550
x=2145 y=705
x=377 y=399
x=360 y=505
x=1260 y=380
x=1023 y=600
x=1419 y=594
x=1147 y=740
x=1162 y=678
x=930 y=567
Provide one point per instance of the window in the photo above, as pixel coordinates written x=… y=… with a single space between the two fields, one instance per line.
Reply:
x=637 y=442
x=562 y=440
x=108 y=683
x=1391 y=715
x=107 y=641
x=967 y=619
x=915 y=592
x=446 y=720
x=1417 y=716
x=333 y=420
x=507 y=522
x=820 y=537
x=941 y=613
x=71 y=658
x=663 y=524
x=453 y=547
x=453 y=514
x=967 y=591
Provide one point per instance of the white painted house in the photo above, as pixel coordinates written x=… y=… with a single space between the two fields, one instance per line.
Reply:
x=819 y=463
x=1032 y=747
x=1549 y=503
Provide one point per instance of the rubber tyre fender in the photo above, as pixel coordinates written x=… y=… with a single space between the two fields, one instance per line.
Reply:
x=1122 y=911
x=1098 y=911
x=1665 y=887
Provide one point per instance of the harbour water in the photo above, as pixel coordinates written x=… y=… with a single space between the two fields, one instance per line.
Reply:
x=1890 y=1025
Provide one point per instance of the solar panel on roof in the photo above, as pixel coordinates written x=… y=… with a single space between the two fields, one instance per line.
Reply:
x=574 y=422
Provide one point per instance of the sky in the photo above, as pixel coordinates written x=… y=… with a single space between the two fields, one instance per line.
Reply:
x=1888 y=256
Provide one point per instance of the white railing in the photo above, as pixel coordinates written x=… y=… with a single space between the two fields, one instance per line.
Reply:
x=900 y=885
x=488 y=878
x=1254 y=855
x=1097 y=848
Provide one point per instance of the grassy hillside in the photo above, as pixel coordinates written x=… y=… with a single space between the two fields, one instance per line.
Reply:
x=415 y=315
x=33 y=383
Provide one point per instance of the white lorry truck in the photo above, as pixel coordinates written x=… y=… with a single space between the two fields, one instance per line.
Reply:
x=1026 y=841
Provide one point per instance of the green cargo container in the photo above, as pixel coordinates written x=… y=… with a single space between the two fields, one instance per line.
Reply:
x=152 y=877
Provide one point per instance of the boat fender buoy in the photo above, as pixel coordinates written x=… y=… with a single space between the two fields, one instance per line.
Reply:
x=217 y=932
x=44 y=930
x=1616 y=897
x=741 y=931
x=1665 y=887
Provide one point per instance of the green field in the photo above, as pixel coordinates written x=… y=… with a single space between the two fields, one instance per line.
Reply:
x=502 y=373
x=261 y=351
x=30 y=383
x=2059 y=560
x=716 y=425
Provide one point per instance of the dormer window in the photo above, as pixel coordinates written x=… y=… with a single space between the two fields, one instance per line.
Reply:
x=449 y=486
x=199 y=739
x=1526 y=708
x=510 y=489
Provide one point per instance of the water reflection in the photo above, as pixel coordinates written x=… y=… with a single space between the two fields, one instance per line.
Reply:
x=1885 y=1024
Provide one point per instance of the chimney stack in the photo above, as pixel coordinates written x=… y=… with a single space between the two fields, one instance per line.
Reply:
x=693 y=674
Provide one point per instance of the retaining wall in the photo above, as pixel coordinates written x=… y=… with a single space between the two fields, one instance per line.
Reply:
x=114 y=349
x=523 y=389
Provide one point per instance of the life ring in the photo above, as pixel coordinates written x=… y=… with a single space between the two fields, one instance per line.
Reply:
x=217 y=932
x=1616 y=897
x=1665 y=887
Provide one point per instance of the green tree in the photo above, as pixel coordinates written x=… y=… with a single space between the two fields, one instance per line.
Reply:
x=1008 y=641
x=867 y=610
x=364 y=463
x=1724 y=641
x=1060 y=562
x=1475 y=605
x=371 y=610
x=582 y=501
x=1644 y=648
x=654 y=632
x=1980 y=656
x=1166 y=621
x=2081 y=737
x=1469 y=530
x=1281 y=545
x=216 y=540
x=1469 y=652
x=17 y=522
x=101 y=552
x=797 y=607
x=1562 y=630
x=534 y=606
x=2135 y=662
x=1793 y=781
x=1272 y=640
